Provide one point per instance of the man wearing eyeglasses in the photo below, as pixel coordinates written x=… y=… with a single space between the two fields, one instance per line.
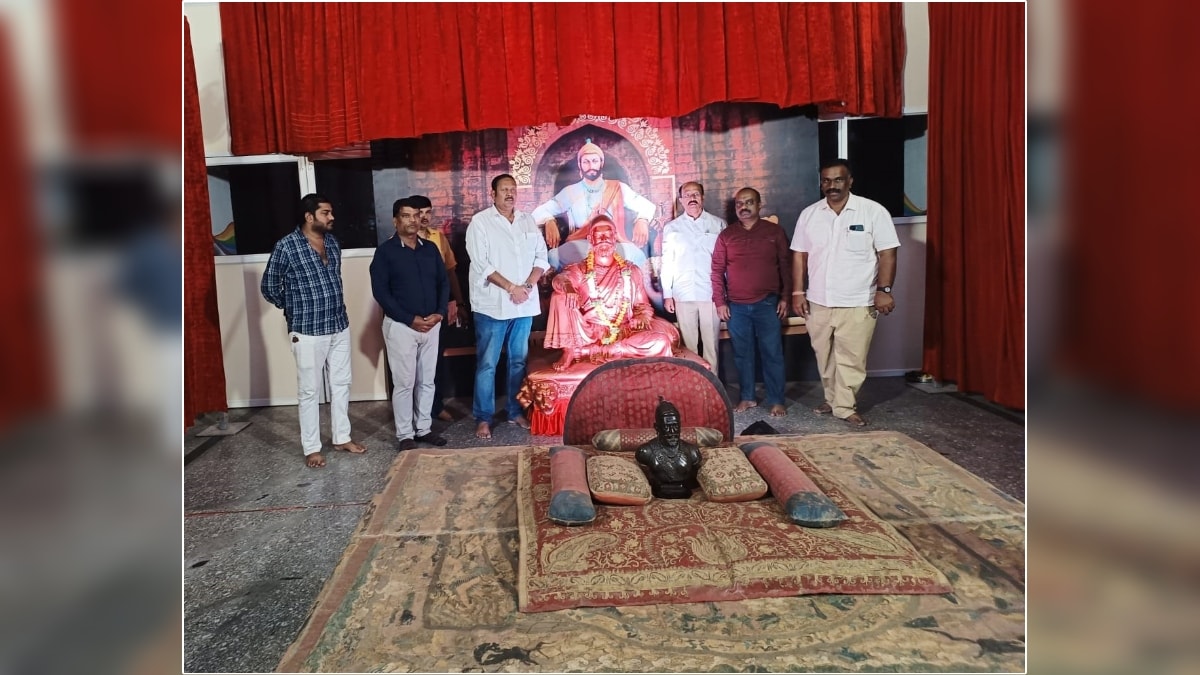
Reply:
x=845 y=247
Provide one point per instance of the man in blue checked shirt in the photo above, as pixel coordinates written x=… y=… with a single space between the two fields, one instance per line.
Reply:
x=304 y=279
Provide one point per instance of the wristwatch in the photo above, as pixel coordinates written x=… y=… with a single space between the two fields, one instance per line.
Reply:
x=885 y=289
x=529 y=287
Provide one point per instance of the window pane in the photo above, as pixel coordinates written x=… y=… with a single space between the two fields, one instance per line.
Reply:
x=888 y=157
x=348 y=182
x=252 y=205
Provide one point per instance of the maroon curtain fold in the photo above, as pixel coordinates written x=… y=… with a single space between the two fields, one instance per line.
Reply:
x=310 y=78
x=975 y=269
x=26 y=385
x=203 y=363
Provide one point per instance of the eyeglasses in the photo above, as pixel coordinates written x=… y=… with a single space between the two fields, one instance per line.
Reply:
x=840 y=180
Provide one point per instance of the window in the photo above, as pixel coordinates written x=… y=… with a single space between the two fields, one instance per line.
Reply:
x=888 y=157
x=254 y=202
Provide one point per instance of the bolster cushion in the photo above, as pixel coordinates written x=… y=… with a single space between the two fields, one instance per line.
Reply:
x=628 y=440
x=570 y=500
x=802 y=501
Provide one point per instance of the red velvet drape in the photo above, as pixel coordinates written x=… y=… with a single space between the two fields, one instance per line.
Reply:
x=975 y=269
x=26 y=385
x=203 y=363
x=312 y=77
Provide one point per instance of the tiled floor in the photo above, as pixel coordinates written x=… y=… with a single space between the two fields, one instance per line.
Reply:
x=262 y=531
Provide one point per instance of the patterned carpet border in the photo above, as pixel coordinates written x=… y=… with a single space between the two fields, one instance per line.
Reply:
x=429 y=583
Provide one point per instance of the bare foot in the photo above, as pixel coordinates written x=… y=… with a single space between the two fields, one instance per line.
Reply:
x=314 y=461
x=521 y=421
x=856 y=420
x=823 y=409
x=565 y=362
x=778 y=410
x=351 y=446
x=483 y=430
x=745 y=405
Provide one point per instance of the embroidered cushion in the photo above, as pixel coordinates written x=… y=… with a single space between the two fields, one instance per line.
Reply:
x=628 y=440
x=727 y=476
x=570 y=502
x=798 y=495
x=617 y=480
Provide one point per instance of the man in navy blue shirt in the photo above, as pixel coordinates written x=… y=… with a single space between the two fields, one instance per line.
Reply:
x=408 y=280
x=304 y=279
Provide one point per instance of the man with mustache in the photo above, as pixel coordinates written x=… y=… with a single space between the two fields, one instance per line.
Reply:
x=304 y=278
x=600 y=310
x=593 y=196
x=408 y=280
x=751 y=280
x=508 y=257
x=435 y=235
x=846 y=245
x=688 y=243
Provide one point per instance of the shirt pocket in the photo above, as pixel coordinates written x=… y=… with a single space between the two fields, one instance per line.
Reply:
x=528 y=251
x=858 y=241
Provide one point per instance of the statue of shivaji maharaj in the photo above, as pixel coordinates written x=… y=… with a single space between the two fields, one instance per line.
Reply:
x=599 y=309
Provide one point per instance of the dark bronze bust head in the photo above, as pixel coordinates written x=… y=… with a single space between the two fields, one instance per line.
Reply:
x=671 y=463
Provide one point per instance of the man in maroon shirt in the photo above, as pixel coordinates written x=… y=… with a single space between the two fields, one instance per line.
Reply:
x=752 y=283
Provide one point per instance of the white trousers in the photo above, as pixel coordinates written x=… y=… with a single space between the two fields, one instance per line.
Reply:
x=699 y=320
x=315 y=353
x=412 y=358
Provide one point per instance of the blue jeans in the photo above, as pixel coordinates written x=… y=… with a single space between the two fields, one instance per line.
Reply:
x=752 y=325
x=490 y=336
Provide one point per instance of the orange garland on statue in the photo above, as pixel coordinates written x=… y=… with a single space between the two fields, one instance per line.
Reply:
x=614 y=324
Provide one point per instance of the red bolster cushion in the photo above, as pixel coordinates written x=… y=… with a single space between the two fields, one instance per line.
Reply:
x=803 y=502
x=570 y=499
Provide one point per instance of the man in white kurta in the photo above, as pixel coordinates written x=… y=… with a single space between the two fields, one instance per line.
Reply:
x=688 y=243
x=508 y=257
x=847 y=245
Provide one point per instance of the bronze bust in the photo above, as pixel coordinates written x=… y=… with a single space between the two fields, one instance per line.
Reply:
x=670 y=462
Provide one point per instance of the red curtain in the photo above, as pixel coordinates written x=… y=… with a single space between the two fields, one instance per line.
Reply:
x=975 y=269
x=26 y=385
x=203 y=363
x=313 y=77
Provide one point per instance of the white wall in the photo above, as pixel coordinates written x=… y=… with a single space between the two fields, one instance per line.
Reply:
x=259 y=369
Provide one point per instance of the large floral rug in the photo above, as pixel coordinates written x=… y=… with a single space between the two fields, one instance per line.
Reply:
x=677 y=550
x=429 y=583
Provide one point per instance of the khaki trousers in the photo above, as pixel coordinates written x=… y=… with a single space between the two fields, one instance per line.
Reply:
x=699 y=319
x=841 y=337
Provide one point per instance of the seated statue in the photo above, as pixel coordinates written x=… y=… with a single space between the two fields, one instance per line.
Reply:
x=670 y=462
x=599 y=309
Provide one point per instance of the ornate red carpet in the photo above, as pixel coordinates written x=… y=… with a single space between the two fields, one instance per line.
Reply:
x=674 y=550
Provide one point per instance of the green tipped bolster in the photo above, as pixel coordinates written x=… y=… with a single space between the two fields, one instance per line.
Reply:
x=571 y=507
x=812 y=509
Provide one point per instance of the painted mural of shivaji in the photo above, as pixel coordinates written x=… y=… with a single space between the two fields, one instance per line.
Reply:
x=592 y=196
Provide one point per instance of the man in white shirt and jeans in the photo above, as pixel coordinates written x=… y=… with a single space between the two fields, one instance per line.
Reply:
x=508 y=257
x=687 y=250
x=847 y=246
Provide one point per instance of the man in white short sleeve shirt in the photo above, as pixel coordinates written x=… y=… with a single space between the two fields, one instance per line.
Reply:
x=846 y=246
x=688 y=243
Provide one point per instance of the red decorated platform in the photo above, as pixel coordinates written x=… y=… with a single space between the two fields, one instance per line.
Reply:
x=547 y=392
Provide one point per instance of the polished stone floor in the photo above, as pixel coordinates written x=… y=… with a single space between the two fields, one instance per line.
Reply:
x=262 y=532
